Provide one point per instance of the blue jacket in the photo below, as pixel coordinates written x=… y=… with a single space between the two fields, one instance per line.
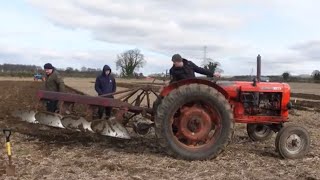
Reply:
x=105 y=84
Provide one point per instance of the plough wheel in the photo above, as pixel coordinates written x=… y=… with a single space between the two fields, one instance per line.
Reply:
x=194 y=122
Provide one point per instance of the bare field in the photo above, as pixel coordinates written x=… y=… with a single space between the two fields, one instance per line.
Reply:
x=48 y=153
x=305 y=88
x=15 y=79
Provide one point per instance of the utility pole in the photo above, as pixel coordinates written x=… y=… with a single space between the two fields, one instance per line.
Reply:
x=251 y=73
x=204 y=55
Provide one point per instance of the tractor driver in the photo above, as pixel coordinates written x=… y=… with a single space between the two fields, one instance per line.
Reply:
x=54 y=82
x=184 y=69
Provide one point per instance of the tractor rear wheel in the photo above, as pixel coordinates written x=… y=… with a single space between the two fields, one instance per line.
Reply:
x=292 y=142
x=155 y=104
x=194 y=122
x=259 y=132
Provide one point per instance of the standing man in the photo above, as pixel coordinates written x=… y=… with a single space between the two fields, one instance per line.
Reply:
x=54 y=82
x=105 y=84
x=184 y=69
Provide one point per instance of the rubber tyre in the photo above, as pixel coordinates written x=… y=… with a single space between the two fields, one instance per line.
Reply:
x=254 y=135
x=155 y=104
x=284 y=134
x=178 y=98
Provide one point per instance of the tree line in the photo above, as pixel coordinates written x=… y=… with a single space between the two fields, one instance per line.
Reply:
x=18 y=68
x=315 y=75
x=128 y=63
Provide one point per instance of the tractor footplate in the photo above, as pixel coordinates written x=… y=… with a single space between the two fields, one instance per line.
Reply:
x=28 y=116
x=76 y=123
x=49 y=119
x=110 y=127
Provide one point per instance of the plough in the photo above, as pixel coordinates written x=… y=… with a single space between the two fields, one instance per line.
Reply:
x=127 y=106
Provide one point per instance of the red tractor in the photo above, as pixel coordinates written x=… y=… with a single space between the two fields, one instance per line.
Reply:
x=194 y=119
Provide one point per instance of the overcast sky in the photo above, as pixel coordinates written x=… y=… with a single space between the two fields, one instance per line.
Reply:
x=91 y=33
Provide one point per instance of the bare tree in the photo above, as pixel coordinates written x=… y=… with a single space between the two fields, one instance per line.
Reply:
x=83 y=69
x=69 y=70
x=286 y=76
x=316 y=75
x=130 y=61
x=213 y=65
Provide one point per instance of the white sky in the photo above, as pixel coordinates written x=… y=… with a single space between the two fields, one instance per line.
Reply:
x=91 y=33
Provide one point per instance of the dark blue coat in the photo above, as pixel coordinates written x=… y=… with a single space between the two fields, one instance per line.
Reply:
x=105 y=84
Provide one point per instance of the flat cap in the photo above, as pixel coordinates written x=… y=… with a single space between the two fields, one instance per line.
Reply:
x=176 y=58
x=48 y=66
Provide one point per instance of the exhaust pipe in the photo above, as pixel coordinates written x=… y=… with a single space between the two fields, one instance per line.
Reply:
x=259 y=68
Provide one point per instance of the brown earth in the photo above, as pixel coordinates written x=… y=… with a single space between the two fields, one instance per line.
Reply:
x=305 y=88
x=48 y=153
x=306 y=96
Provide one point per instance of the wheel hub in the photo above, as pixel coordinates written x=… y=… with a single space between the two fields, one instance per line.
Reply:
x=195 y=123
x=294 y=143
x=261 y=130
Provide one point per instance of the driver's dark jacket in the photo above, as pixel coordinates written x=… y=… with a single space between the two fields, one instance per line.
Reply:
x=187 y=71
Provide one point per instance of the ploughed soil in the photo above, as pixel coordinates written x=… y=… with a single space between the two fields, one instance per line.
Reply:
x=41 y=152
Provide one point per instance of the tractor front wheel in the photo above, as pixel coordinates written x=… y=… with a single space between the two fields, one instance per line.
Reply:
x=259 y=132
x=292 y=142
x=194 y=122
